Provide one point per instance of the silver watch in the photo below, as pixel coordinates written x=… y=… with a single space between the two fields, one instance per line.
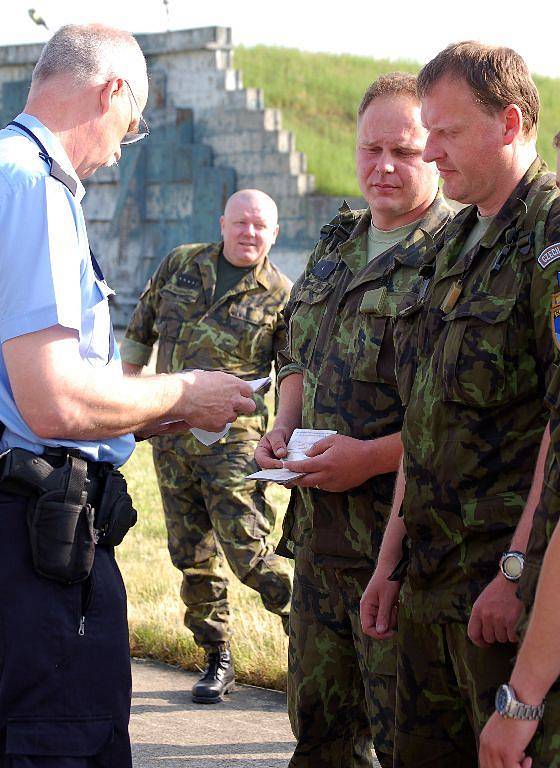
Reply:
x=512 y=564
x=508 y=706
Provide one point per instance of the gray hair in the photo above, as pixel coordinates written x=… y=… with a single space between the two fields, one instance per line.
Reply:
x=90 y=52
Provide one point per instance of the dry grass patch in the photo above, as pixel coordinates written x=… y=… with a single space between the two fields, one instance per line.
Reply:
x=155 y=609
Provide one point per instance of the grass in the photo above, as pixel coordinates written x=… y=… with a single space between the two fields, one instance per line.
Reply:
x=319 y=94
x=155 y=609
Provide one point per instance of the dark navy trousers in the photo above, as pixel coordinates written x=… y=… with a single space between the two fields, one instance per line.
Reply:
x=65 y=682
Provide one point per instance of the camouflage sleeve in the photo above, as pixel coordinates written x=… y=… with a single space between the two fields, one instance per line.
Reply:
x=141 y=335
x=285 y=365
x=545 y=296
x=280 y=338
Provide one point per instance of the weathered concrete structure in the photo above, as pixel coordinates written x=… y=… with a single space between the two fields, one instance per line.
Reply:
x=210 y=136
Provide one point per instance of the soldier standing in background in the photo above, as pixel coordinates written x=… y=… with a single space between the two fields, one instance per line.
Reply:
x=217 y=307
x=473 y=359
x=338 y=373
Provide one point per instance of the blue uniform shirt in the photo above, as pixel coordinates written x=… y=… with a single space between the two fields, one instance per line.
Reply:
x=47 y=277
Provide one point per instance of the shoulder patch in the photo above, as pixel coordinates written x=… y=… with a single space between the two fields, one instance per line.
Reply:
x=550 y=254
x=555 y=318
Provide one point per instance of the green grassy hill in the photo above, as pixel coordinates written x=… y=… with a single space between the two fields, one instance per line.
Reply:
x=318 y=94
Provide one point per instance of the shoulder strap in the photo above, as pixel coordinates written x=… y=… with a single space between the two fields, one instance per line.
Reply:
x=539 y=201
x=55 y=169
x=340 y=228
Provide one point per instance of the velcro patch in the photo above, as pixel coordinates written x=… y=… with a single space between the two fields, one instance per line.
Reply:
x=549 y=255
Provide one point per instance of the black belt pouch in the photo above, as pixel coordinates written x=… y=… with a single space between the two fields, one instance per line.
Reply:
x=61 y=530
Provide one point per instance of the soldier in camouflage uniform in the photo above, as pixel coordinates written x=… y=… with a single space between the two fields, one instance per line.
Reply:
x=473 y=358
x=217 y=307
x=338 y=373
x=506 y=741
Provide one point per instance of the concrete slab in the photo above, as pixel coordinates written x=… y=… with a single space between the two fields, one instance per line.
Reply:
x=250 y=729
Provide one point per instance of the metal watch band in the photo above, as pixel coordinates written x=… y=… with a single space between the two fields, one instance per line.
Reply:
x=520 y=711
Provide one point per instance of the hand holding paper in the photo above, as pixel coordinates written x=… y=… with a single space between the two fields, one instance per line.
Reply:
x=300 y=442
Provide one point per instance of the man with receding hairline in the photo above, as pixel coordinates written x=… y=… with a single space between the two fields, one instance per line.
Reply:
x=473 y=362
x=217 y=306
x=67 y=414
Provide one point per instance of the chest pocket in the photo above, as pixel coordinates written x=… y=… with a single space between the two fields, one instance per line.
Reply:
x=374 y=351
x=250 y=332
x=479 y=354
x=177 y=305
x=305 y=319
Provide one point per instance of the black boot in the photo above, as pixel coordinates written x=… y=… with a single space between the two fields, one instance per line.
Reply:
x=217 y=680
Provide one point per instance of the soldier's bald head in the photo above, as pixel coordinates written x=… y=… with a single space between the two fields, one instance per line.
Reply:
x=253 y=197
x=249 y=227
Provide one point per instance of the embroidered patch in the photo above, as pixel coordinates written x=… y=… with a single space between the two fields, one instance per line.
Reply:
x=555 y=318
x=549 y=255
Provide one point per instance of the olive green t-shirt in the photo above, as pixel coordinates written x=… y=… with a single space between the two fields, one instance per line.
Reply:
x=380 y=240
x=227 y=276
x=477 y=233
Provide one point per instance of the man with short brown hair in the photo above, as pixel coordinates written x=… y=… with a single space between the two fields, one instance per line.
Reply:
x=473 y=359
x=338 y=374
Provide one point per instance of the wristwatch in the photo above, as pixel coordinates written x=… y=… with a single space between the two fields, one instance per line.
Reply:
x=508 y=706
x=512 y=564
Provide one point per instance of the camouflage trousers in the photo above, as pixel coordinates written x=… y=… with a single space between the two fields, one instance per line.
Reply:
x=446 y=688
x=212 y=511
x=341 y=683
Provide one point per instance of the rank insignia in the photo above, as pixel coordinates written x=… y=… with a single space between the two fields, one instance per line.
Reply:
x=555 y=318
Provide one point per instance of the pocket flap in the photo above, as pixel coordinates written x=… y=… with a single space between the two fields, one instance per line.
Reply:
x=312 y=292
x=63 y=738
x=493 y=513
x=489 y=309
x=175 y=293
x=248 y=313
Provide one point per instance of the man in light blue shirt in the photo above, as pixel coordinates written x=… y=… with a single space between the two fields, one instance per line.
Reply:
x=67 y=414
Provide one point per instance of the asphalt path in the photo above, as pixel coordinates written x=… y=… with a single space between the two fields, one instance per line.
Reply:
x=249 y=729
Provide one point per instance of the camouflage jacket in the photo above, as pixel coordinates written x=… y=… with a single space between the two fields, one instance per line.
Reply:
x=240 y=333
x=473 y=360
x=340 y=337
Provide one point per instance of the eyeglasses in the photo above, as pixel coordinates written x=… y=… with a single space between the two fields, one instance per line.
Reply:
x=131 y=137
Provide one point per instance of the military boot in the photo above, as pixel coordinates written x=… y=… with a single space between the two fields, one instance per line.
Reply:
x=217 y=680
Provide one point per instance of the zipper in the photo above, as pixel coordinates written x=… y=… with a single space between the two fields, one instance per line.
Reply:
x=86 y=598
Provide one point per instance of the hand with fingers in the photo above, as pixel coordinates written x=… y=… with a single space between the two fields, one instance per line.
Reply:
x=379 y=605
x=272 y=448
x=495 y=614
x=503 y=742
x=336 y=463
x=212 y=399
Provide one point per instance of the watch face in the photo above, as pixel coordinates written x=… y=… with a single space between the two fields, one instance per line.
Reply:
x=513 y=566
x=502 y=698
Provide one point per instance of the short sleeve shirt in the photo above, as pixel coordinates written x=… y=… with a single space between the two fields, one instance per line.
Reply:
x=48 y=276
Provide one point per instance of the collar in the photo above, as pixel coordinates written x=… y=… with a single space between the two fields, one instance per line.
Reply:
x=262 y=272
x=508 y=213
x=52 y=145
x=406 y=251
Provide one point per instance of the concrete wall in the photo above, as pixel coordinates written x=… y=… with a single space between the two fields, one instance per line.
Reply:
x=210 y=136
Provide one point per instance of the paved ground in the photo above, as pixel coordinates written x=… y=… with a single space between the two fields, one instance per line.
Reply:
x=250 y=729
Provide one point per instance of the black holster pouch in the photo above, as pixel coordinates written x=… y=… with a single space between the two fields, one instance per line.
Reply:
x=115 y=515
x=61 y=531
x=68 y=512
